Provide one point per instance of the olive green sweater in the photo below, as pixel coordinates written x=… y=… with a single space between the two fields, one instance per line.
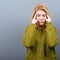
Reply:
x=40 y=44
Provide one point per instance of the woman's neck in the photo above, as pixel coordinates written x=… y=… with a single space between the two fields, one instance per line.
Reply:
x=41 y=27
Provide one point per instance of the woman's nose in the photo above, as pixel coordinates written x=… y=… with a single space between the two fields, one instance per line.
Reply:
x=41 y=17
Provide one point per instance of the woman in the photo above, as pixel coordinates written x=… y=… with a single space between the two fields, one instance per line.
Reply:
x=40 y=37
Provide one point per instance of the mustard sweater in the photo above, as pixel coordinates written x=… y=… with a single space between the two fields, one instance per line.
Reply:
x=40 y=44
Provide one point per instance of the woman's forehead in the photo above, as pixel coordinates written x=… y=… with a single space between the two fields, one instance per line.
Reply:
x=40 y=12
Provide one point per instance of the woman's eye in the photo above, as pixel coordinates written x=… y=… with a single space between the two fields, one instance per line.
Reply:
x=44 y=15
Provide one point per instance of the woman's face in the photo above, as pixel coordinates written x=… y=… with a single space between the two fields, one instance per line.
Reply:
x=41 y=17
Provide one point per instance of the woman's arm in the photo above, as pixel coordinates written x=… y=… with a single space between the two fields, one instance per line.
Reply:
x=28 y=39
x=52 y=36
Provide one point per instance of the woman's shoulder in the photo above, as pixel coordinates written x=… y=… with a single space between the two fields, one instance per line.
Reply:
x=31 y=25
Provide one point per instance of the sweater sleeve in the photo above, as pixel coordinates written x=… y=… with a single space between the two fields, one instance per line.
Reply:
x=52 y=36
x=28 y=39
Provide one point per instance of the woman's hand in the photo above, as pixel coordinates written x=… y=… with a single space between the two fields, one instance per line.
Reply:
x=48 y=19
x=34 y=21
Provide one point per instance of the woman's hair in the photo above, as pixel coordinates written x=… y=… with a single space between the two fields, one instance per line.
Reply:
x=40 y=7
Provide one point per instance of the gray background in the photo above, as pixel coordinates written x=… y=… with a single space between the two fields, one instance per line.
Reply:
x=14 y=17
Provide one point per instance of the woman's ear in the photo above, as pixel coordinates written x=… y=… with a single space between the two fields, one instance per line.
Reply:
x=46 y=17
x=36 y=17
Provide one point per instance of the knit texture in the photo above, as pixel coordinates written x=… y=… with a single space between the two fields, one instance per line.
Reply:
x=40 y=44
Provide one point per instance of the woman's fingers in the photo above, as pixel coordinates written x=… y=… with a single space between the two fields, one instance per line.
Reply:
x=48 y=19
x=34 y=20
